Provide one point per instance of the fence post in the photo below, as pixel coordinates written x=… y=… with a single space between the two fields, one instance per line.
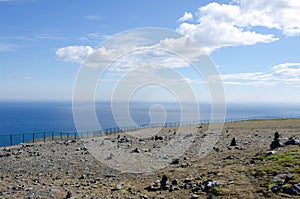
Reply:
x=135 y=127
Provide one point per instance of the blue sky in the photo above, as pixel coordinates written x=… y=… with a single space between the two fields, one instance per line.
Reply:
x=253 y=43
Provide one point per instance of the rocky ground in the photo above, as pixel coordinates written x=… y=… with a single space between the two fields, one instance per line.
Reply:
x=240 y=165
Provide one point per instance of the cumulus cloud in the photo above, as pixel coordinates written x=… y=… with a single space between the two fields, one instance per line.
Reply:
x=213 y=36
x=282 y=74
x=213 y=26
x=169 y=52
x=74 y=53
x=182 y=46
x=187 y=16
x=220 y=25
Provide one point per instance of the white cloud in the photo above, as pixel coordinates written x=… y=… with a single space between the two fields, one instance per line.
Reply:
x=6 y=47
x=46 y=36
x=95 y=37
x=32 y=37
x=74 y=53
x=221 y=25
x=14 y=75
x=287 y=70
x=187 y=16
x=27 y=77
x=280 y=14
x=212 y=36
x=92 y=17
x=182 y=46
x=169 y=52
x=282 y=74
x=214 y=26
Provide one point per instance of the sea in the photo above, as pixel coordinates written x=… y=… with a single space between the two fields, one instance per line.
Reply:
x=17 y=118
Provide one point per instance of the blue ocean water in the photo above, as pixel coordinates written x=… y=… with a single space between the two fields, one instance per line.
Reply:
x=28 y=117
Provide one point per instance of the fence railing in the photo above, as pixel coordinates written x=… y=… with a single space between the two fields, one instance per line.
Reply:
x=32 y=137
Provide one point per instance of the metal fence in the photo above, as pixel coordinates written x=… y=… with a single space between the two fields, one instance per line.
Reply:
x=32 y=137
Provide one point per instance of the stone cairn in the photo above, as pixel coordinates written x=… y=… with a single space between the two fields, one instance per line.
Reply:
x=276 y=142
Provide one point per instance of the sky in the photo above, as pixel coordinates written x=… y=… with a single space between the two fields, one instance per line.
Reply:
x=254 y=45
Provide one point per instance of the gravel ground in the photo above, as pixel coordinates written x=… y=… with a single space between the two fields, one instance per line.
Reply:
x=153 y=163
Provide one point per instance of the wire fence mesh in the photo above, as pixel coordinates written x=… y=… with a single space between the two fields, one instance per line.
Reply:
x=32 y=137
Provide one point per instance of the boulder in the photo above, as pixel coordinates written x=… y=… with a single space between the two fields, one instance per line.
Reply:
x=279 y=178
x=288 y=177
x=293 y=190
x=275 y=189
x=69 y=195
x=164 y=181
x=233 y=142
x=158 y=137
x=270 y=153
x=175 y=161
x=209 y=184
x=194 y=196
x=136 y=150
x=118 y=186
x=292 y=141
x=276 y=141
x=174 y=182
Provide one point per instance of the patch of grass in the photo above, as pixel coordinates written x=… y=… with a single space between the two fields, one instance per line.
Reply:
x=284 y=161
x=279 y=162
x=262 y=171
x=230 y=162
x=216 y=191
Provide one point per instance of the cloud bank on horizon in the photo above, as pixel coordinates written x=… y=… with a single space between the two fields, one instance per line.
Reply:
x=288 y=73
